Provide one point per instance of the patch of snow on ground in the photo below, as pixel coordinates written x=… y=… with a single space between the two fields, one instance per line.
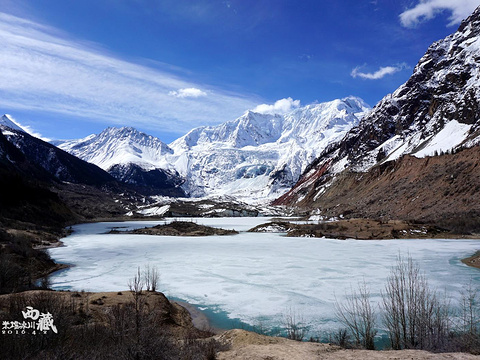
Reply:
x=453 y=134
x=154 y=211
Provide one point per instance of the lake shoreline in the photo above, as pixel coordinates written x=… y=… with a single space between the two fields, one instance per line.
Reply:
x=363 y=229
x=473 y=261
x=177 y=265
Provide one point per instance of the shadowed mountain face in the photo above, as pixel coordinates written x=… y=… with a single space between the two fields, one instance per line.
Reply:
x=59 y=164
x=41 y=185
x=436 y=111
x=24 y=192
x=149 y=181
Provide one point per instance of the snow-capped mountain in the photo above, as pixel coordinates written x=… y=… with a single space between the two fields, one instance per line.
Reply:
x=130 y=156
x=256 y=156
x=436 y=111
x=7 y=123
x=119 y=146
x=259 y=156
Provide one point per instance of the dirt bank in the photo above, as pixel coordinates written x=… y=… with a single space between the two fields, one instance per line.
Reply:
x=244 y=345
x=178 y=228
x=473 y=261
x=363 y=229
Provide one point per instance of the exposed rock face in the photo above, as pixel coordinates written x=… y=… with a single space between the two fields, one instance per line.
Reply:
x=149 y=181
x=435 y=111
x=444 y=87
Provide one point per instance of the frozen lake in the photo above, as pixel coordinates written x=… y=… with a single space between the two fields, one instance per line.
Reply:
x=253 y=277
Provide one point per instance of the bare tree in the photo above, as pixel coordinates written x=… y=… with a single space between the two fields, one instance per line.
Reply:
x=414 y=314
x=147 y=277
x=154 y=278
x=151 y=278
x=294 y=326
x=358 y=315
x=468 y=328
x=469 y=307
x=136 y=286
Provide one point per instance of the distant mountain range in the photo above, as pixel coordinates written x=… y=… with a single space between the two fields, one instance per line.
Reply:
x=254 y=158
x=415 y=155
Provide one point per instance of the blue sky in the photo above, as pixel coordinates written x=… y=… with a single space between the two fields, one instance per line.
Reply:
x=72 y=68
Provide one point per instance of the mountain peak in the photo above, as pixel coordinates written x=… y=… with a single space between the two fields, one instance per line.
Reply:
x=258 y=155
x=7 y=121
x=123 y=145
x=436 y=111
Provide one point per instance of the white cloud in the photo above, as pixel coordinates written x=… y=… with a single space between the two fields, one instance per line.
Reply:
x=428 y=9
x=188 y=93
x=379 y=74
x=281 y=106
x=45 y=71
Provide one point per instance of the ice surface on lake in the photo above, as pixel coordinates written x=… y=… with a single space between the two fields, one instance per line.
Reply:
x=255 y=277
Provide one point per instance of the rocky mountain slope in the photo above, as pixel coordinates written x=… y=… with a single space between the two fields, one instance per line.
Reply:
x=58 y=163
x=435 y=111
x=42 y=184
x=443 y=190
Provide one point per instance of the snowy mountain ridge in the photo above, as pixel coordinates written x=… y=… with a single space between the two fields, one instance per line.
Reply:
x=255 y=129
x=254 y=157
x=260 y=156
x=119 y=146
x=436 y=111
x=7 y=122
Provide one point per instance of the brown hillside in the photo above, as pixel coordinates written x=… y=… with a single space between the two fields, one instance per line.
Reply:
x=441 y=189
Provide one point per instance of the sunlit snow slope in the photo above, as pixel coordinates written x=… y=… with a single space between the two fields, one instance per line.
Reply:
x=260 y=156
x=120 y=146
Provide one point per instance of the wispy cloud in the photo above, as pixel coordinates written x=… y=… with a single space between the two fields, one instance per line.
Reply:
x=428 y=9
x=44 y=70
x=188 y=93
x=379 y=74
x=281 y=106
